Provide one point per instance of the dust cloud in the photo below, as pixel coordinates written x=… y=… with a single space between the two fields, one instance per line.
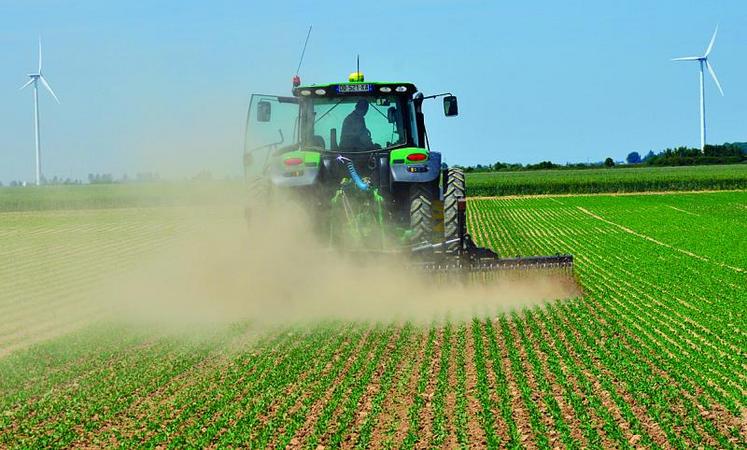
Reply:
x=219 y=269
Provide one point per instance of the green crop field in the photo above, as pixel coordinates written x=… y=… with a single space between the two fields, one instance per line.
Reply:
x=652 y=354
x=107 y=196
x=637 y=179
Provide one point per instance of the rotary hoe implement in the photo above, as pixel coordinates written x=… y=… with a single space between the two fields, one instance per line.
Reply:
x=356 y=155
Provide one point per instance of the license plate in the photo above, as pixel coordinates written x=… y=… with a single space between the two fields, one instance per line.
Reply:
x=352 y=88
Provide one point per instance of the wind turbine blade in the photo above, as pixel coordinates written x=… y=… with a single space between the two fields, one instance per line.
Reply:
x=46 y=85
x=713 y=74
x=710 y=46
x=27 y=83
x=687 y=58
x=40 y=54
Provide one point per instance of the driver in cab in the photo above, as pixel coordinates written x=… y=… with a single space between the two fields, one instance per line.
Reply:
x=355 y=135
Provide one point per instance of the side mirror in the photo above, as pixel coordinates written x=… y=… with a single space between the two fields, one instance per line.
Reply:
x=264 y=111
x=451 y=107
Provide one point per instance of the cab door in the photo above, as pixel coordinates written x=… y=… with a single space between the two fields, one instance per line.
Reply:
x=272 y=122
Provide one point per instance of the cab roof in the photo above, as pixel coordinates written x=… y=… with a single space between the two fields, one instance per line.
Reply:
x=355 y=88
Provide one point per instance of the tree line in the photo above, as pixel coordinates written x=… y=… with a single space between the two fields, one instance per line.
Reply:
x=728 y=153
x=93 y=178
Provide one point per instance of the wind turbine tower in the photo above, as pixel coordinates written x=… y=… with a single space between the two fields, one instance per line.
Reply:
x=34 y=79
x=703 y=61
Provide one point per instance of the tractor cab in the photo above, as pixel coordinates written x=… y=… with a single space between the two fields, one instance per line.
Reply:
x=359 y=117
x=355 y=118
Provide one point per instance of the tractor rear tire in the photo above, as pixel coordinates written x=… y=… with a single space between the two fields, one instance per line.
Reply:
x=421 y=213
x=455 y=188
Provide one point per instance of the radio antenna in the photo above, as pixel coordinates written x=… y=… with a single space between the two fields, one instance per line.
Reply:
x=303 y=52
x=358 y=63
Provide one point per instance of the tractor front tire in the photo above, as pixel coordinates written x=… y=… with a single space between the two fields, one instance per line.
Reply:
x=454 y=189
x=421 y=213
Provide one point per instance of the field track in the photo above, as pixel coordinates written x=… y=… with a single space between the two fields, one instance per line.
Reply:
x=654 y=354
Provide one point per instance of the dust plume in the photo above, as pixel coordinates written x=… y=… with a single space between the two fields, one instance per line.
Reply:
x=219 y=269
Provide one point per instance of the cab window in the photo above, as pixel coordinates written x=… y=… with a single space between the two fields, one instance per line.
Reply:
x=354 y=123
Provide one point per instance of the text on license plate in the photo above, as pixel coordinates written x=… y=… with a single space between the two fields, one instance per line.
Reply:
x=348 y=88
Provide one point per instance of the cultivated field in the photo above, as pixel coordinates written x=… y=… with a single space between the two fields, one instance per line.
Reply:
x=653 y=354
x=636 y=179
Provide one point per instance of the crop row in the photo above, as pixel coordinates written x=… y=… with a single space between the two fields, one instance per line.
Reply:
x=113 y=196
x=651 y=355
x=543 y=378
x=657 y=319
x=62 y=265
x=590 y=181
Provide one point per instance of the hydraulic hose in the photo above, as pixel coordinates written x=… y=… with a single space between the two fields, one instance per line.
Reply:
x=362 y=185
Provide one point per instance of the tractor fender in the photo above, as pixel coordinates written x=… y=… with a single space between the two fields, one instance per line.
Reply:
x=417 y=173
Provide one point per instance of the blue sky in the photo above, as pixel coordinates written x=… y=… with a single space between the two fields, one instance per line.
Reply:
x=165 y=85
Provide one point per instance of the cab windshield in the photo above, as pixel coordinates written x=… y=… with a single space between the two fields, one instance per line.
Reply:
x=352 y=123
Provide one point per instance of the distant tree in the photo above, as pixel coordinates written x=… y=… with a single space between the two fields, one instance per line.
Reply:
x=543 y=165
x=721 y=151
x=649 y=155
x=633 y=158
x=203 y=175
x=609 y=162
x=499 y=165
x=100 y=178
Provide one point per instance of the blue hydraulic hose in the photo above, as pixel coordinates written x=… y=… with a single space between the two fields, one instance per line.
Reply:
x=362 y=185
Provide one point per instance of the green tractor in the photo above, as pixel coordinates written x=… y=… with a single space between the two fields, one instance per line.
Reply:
x=357 y=155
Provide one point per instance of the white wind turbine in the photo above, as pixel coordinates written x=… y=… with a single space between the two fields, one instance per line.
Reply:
x=703 y=60
x=35 y=78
